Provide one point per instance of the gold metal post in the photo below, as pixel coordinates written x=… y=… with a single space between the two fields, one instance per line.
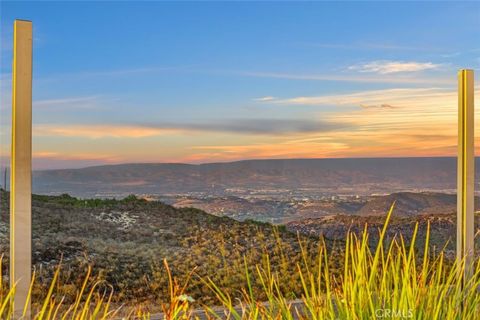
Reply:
x=465 y=172
x=21 y=169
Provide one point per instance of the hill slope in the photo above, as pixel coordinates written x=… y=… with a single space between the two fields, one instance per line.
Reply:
x=335 y=228
x=409 y=203
x=364 y=175
x=126 y=241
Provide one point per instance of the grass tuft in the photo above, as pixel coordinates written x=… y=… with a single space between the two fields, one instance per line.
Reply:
x=390 y=280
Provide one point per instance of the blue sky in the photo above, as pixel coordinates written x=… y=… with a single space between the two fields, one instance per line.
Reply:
x=199 y=82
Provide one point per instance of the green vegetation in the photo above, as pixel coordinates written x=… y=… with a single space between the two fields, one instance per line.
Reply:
x=125 y=241
x=67 y=200
x=391 y=279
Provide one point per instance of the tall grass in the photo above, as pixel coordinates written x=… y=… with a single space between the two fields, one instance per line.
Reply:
x=390 y=281
x=91 y=304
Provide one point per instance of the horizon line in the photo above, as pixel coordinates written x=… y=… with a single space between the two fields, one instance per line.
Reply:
x=242 y=160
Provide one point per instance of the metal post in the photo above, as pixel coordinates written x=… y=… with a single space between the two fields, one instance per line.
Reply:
x=465 y=172
x=21 y=169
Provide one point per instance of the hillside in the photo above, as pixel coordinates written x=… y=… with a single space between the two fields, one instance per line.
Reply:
x=126 y=240
x=365 y=176
x=409 y=203
x=410 y=208
x=335 y=228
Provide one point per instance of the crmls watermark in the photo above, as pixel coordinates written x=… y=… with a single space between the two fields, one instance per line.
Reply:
x=393 y=314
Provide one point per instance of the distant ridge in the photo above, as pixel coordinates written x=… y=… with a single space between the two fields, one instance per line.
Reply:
x=243 y=161
x=383 y=175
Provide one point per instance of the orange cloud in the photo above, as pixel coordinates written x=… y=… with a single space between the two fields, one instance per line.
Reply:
x=285 y=149
x=377 y=123
x=398 y=97
x=396 y=123
x=102 y=131
x=75 y=156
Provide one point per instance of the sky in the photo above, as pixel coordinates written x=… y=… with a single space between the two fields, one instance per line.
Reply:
x=196 y=82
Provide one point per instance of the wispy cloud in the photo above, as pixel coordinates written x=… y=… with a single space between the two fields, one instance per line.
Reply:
x=264 y=126
x=386 y=98
x=70 y=102
x=390 y=122
x=370 y=46
x=127 y=72
x=101 y=131
x=379 y=78
x=116 y=73
x=267 y=98
x=379 y=106
x=316 y=148
x=64 y=103
x=387 y=66
x=450 y=55
x=73 y=156
x=276 y=127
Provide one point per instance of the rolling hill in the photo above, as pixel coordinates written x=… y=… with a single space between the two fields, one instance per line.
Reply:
x=125 y=242
x=409 y=203
x=366 y=175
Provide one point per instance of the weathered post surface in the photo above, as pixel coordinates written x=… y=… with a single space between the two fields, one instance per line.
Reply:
x=465 y=172
x=21 y=169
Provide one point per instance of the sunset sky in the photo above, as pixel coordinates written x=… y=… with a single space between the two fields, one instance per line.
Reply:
x=208 y=82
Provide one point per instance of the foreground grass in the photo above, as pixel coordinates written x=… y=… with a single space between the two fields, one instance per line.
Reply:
x=388 y=282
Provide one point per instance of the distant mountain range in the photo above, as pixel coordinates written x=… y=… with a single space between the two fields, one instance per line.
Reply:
x=363 y=175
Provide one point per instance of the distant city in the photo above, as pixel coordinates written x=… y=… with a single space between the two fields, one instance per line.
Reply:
x=275 y=191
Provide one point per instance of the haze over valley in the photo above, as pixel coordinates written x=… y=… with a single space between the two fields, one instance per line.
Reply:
x=274 y=191
x=297 y=177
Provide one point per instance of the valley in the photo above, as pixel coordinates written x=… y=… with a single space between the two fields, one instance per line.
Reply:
x=285 y=209
x=124 y=220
